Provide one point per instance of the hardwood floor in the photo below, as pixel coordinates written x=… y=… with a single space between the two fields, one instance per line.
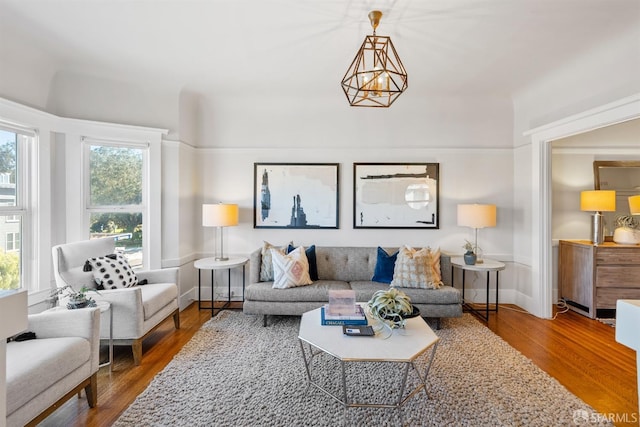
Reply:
x=580 y=353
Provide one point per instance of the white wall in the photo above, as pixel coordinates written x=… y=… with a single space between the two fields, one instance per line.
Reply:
x=466 y=175
x=88 y=97
x=604 y=74
x=296 y=122
x=25 y=71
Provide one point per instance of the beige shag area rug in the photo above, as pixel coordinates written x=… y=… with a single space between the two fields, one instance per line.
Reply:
x=235 y=372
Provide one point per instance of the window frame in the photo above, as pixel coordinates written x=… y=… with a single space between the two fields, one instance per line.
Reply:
x=142 y=208
x=26 y=172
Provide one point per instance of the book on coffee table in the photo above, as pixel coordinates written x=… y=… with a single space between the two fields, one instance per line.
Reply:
x=357 y=318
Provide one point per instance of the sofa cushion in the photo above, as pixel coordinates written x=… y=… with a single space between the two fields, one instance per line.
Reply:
x=414 y=269
x=315 y=292
x=345 y=263
x=266 y=267
x=444 y=295
x=385 y=264
x=156 y=296
x=113 y=271
x=35 y=365
x=310 y=252
x=290 y=270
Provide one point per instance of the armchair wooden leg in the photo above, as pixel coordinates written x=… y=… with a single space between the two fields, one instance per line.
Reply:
x=176 y=319
x=91 y=390
x=136 y=347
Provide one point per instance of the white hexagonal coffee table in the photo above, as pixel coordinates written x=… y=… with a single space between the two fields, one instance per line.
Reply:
x=404 y=347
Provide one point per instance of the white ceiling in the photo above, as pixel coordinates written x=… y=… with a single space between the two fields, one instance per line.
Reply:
x=271 y=48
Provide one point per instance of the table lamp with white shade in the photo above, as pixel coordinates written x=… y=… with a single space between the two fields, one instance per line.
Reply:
x=598 y=201
x=477 y=216
x=220 y=215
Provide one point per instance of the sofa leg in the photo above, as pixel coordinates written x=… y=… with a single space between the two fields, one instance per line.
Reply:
x=264 y=320
x=438 y=323
x=176 y=319
x=136 y=347
x=91 y=390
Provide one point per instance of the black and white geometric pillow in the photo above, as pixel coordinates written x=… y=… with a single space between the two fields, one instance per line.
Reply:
x=112 y=272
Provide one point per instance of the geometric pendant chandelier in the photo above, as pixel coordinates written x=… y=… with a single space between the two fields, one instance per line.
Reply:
x=376 y=77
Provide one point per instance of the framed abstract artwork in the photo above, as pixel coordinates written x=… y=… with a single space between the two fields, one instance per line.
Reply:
x=396 y=195
x=295 y=195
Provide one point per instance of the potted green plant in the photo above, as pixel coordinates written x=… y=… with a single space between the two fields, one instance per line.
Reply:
x=75 y=299
x=627 y=230
x=391 y=307
x=470 y=255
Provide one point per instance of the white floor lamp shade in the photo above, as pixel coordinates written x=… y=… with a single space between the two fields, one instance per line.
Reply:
x=220 y=215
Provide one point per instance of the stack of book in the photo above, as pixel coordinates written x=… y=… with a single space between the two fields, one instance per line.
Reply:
x=357 y=317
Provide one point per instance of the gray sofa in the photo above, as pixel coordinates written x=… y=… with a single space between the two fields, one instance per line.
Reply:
x=344 y=268
x=43 y=373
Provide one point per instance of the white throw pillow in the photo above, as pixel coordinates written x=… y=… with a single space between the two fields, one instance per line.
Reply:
x=113 y=271
x=414 y=269
x=290 y=270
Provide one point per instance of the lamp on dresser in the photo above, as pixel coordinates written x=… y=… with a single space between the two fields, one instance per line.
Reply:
x=634 y=205
x=220 y=215
x=598 y=201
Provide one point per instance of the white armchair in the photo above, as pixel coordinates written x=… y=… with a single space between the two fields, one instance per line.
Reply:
x=45 y=372
x=138 y=310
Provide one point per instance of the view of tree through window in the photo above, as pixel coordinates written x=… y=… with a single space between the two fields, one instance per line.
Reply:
x=115 y=197
x=10 y=215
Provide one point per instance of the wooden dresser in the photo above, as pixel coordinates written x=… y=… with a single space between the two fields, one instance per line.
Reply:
x=592 y=277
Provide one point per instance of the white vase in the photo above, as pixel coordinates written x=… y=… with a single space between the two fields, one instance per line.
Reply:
x=626 y=236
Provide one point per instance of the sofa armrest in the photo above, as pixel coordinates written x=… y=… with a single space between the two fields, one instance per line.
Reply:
x=255 y=263
x=445 y=268
x=164 y=275
x=127 y=309
x=83 y=323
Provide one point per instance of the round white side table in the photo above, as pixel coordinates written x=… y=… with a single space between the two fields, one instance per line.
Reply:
x=488 y=265
x=213 y=264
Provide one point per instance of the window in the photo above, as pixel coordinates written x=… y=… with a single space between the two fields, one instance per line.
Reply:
x=12 y=242
x=13 y=206
x=115 y=195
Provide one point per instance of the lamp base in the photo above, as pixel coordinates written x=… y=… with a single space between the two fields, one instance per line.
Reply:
x=221 y=258
x=597 y=229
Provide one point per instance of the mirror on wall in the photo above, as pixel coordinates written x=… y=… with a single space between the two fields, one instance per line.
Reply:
x=624 y=178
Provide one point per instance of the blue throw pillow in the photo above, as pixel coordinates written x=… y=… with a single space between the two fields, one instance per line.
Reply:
x=310 y=252
x=385 y=264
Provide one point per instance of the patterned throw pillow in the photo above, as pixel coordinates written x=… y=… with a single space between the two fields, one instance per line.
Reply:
x=310 y=252
x=113 y=272
x=266 y=267
x=414 y=269
x=435 y=255
x=290 y=270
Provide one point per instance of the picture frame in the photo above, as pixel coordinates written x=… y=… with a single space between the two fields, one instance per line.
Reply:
x=296 y=195
x=396 y=195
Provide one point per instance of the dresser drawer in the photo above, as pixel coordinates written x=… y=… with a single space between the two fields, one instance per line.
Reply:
x=618 y=276
x=618 y=255
x=608 y=297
